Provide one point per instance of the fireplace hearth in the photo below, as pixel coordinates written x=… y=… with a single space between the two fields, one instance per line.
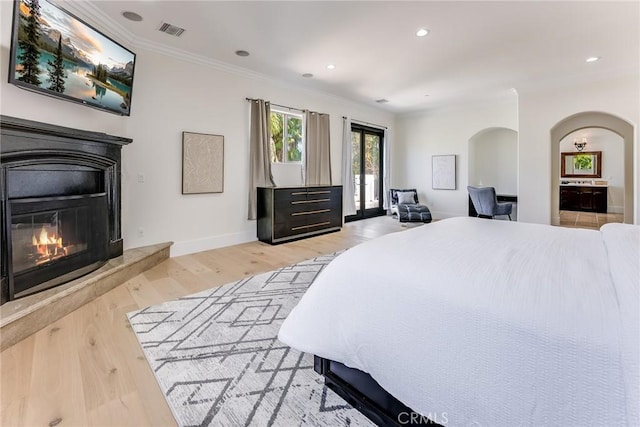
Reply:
x=60 y=204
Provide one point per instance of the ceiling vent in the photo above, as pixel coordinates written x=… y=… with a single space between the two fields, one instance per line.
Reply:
x=170 y=29
x=382 y=101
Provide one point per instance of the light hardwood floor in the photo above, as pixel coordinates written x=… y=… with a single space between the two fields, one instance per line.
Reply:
x=592 y=220
x=87 y=368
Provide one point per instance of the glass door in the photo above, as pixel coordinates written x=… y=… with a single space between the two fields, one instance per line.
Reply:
x=366 y=146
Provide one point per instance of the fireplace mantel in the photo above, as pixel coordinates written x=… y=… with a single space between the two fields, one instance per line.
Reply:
x=40 y=160
x=15 y=124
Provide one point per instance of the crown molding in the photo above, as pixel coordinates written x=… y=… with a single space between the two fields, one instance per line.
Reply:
x=199 y=59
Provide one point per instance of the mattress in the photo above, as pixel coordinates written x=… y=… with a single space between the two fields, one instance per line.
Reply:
x=484 y=322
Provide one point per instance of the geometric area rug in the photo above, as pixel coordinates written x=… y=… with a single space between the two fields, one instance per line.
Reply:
x=218 y=360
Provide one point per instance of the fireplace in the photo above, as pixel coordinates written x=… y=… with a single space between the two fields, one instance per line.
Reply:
x=60 y=206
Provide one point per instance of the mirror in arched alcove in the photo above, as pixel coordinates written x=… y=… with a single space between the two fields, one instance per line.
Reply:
x=493 y=162
x=588 y=200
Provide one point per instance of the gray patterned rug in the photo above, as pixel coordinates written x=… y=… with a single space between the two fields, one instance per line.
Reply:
x=218 y=361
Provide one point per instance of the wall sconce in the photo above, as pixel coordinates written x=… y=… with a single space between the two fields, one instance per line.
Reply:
x=580 y=145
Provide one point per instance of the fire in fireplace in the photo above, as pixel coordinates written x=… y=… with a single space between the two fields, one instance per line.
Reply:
x=47 y=248
x=43 y=238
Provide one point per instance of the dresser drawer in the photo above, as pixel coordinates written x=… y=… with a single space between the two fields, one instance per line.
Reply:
x=306 y=224
x=283 y=211
x=302 y=205
x=301 y=194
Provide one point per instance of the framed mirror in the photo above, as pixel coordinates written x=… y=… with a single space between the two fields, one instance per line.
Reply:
x=582 y=164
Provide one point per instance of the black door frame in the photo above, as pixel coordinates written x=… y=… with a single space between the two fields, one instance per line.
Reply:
x=362 y=212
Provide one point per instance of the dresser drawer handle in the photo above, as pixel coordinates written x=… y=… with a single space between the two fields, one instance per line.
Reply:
x=310 y=201
x=300 y=193
x=311 y=212
x=320 y=224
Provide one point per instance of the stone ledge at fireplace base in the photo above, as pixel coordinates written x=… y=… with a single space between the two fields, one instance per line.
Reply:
x=22 y=317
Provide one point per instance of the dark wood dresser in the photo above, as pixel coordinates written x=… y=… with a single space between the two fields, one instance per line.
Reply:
x=288 y=213
x=587 y=198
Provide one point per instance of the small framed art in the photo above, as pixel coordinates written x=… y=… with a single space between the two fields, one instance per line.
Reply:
x=443 y=172
x=202 y=163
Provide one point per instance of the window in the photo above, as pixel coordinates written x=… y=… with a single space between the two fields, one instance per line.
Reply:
x=287 y=143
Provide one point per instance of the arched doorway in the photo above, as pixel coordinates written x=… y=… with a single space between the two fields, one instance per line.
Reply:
x=493 y=161
x=592 y=119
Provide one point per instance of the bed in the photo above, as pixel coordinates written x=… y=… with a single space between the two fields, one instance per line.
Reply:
x=469 y=321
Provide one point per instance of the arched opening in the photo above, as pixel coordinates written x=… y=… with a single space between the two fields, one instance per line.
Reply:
x=592 y=120
x=493 y=162
x=586 y=201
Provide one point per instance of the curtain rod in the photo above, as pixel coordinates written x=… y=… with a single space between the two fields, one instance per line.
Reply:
x=365 y=123
x=278 y=105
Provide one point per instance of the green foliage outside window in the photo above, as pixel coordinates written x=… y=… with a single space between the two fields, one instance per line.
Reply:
x=583 y=162
x=371 y=153
x=286 y=138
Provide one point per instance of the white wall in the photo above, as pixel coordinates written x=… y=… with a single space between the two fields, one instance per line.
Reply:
x=612 y=147
x=171 y=96
x=539 y=111
x=447 y=131
x=285 y=174
x=493 y=160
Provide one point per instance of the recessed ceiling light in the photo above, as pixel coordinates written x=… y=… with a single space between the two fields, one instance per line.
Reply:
x=422 y=32
x=242 y=53
x=132 y=16
x=593 y=59
x=331 y=67
x=307 y=75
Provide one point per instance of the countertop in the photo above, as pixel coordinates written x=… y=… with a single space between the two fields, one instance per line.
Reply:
x=584 y=185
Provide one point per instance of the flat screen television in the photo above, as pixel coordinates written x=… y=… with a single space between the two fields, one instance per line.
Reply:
x=57 y=54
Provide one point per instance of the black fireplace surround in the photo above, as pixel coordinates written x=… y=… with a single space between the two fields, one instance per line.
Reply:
x=59 y=206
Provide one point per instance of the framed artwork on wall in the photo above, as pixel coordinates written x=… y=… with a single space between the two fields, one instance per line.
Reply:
x=443 y=172
x=202 y=163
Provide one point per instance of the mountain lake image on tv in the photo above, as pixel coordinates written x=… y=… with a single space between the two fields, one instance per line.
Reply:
x=54 y=53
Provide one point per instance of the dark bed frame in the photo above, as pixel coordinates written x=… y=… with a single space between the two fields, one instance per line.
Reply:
x=363 y=392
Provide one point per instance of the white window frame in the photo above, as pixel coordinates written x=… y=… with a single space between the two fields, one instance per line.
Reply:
x=288 y=113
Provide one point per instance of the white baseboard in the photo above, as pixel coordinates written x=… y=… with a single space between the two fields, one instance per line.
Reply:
x=198 y=245
x=445 y=214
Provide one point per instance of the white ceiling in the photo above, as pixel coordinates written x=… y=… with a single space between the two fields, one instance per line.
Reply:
x=475 y=51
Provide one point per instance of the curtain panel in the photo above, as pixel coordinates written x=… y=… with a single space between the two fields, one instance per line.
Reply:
x=318 y=154
x=386 y=169
x=348 y=181
x=259 y=152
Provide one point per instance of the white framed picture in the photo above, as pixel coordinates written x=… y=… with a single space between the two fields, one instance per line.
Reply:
x=202 y=163
x=443 y=172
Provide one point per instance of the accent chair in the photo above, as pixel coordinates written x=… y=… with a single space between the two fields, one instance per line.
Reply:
x=405 y=204
x=486 y=202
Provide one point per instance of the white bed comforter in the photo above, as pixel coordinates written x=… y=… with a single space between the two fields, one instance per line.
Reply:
x=478 y=322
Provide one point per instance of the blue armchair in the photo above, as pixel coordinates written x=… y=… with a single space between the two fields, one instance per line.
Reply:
x=486 y=203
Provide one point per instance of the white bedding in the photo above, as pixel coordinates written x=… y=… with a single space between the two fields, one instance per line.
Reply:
x=489 y=322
